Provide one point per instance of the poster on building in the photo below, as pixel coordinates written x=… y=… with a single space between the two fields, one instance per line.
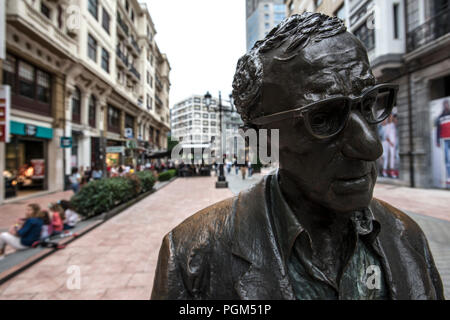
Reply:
x=5 y=101
x=38 y=168
x=440 y=142
x=389 y=163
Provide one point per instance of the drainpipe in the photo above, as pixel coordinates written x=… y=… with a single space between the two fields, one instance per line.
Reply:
x=410 y=111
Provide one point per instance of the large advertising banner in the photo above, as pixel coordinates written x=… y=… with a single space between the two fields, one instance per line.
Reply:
x=440 y=142
x=389 y=163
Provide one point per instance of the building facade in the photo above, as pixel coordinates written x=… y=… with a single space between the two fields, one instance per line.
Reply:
x=262 y=16
x=86 y=70
x=408 y=43
x=197 y=127
x=331 y=8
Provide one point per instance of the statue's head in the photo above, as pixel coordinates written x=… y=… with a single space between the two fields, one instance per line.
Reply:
x=312 y=80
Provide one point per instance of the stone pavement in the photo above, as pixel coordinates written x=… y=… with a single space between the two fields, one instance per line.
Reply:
x=10 y=212
x=117 y=260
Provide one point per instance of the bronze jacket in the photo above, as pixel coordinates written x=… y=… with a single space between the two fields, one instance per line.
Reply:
x=229 y=251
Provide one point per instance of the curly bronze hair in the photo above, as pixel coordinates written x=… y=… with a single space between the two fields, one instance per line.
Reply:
x=298 y=31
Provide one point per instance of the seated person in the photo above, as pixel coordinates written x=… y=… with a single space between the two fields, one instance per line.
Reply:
x=24 y=237
x=72 y=217
x=57 y=217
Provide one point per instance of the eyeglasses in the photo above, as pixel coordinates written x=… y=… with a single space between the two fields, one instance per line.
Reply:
x=326 y=118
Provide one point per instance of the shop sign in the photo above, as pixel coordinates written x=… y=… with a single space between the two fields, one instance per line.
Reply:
x=30 y=130
x=5 y=105
x=38 y=168
x=129 y=133
x=131 y=144
x=116 y=149
x=66 y=142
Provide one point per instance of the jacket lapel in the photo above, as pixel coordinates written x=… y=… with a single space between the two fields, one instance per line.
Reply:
x=254 y=241
x=403 y=265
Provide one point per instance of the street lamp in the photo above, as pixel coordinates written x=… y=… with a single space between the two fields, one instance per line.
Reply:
x=221 y=180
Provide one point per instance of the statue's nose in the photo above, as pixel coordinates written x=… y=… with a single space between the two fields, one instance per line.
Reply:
x=360 y=140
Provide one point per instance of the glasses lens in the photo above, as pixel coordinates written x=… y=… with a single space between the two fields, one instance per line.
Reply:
x=328 y=118
x=377 y=105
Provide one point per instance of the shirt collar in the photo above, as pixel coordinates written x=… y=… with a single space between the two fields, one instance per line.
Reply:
x=288 y=227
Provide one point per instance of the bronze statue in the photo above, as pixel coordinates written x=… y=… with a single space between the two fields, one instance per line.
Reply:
x=312 y=230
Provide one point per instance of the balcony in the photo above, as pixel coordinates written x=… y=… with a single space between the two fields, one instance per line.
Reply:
x=158 y=102
x=122 y=25
x=135 y=72
x=158 y=82
x=434 y=28
x=121 y=56
x=135 y=45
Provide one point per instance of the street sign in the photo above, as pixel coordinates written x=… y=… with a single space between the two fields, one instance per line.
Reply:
x=5 y=105
x=116 y=149
x=66 y=142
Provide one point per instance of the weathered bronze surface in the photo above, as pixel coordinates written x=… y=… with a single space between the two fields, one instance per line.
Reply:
x=318 y=236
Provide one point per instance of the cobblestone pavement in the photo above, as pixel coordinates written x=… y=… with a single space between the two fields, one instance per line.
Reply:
x=117 y=260
x=10 y=212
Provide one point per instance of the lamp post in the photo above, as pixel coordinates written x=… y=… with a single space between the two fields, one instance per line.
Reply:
x=221 y=180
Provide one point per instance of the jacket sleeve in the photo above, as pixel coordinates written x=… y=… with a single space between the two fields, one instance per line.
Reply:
x=25 y=229
x=168 y=283
x=432 y=270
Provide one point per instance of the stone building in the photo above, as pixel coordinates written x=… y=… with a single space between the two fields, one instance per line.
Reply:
x=84 y=69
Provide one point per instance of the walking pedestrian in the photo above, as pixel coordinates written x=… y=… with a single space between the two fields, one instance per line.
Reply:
x=75 y=180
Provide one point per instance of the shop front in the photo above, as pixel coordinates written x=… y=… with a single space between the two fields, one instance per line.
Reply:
x=115 y=151
x=26 y=159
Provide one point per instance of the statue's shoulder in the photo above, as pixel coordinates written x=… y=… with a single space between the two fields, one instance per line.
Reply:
x=396 y=221
x=210 y=220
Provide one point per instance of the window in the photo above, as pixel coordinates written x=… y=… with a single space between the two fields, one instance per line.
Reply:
x=76 y=105
x=213 y=123
x=205 y=123
x=132 y=15
x=127 y=5
x=267 y=26
x=113 y=119
x=266 y=16
x=92 y=111
x=318 y=3
x=45 y=10
x=212 y=116
x=105 y=60
x=129 y=124
x=93 y=8
x=28 y=82
x=43 y=86
x=205 y=116
x=340 y=13
x=92 y=48
x=266 y=7
x=26 y=79
x=396 y=7
x=366 y=35
x=149 y=102
x=105 y=20
x=9 y=72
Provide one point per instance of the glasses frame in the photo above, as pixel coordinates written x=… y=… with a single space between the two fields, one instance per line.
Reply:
x=351 y=104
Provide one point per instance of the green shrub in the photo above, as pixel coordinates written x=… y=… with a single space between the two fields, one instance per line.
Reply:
x=167 y=175
x=102 y=195
x=147 y=180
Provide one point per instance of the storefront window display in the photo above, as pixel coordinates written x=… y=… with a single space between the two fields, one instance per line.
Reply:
x=389 y=163
x=25 y=167
x=440 y=142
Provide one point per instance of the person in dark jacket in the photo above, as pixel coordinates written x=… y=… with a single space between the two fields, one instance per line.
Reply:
x=24 y=237
x=312 y=230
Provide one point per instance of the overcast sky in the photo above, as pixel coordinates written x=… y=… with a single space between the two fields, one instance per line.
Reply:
x=203 y=40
